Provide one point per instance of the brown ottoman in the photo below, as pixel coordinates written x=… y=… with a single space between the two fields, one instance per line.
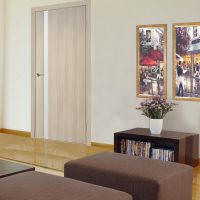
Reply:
x=144 y=179
x=40 y=186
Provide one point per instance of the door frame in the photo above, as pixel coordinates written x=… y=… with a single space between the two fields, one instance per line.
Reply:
x=87 y=4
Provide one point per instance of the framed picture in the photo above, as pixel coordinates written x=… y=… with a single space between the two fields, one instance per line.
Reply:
x=186 y=61
x=151 y=60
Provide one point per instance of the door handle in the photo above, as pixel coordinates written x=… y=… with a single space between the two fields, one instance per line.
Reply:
x=38 y=75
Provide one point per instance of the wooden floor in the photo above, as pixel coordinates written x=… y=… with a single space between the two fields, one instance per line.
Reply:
x=50 y=156
x=44 y=153
x=196 y=184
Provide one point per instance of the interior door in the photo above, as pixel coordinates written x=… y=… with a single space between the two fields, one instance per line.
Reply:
x=60 y=112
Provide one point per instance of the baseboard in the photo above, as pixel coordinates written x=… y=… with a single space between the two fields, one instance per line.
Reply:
x=108 y=146
x=15 y=132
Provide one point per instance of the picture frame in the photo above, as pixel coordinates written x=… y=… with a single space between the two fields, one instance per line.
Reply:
x=186 y=61
x=151 y=50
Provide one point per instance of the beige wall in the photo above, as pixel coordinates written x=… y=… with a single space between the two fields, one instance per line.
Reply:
x=113 y=64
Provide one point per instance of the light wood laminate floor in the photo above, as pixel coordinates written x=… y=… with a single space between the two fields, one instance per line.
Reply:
x=44 y=153
x=50 y=156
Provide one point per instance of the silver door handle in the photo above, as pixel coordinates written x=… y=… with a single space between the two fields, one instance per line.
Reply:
x=38 y=75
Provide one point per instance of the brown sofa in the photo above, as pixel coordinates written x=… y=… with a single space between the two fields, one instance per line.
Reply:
x=144 y=179
x=39 y=186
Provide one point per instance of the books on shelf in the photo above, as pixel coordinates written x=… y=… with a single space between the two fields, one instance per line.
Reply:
x=146 y=149
x=136 y=148
x=163 y=154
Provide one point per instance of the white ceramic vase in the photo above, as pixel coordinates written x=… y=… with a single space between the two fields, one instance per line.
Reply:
x=155 y=126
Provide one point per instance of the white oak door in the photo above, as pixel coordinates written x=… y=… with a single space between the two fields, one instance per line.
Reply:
x=60 y=52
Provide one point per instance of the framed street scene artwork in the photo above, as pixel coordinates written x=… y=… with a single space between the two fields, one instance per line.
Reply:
x=151 y=60
x=186 y=61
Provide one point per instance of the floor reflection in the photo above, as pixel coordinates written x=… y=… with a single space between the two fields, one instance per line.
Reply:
x=50 y=154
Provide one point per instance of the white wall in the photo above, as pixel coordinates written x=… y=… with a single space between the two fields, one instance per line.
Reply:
x=17 y=90
x=1 y=58
x=113 y=64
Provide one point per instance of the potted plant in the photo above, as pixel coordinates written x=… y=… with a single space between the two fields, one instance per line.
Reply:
x=156 y=109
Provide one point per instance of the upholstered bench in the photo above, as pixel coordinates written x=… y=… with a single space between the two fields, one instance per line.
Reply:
x=144 y=179
x=39 y=186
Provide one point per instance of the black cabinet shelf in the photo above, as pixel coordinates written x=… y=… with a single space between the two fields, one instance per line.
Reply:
x=184 y=145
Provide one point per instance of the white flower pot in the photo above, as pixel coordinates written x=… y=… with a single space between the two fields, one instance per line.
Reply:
x=155 y=126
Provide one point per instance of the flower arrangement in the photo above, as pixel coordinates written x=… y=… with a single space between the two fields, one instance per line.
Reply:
x=156 y=108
